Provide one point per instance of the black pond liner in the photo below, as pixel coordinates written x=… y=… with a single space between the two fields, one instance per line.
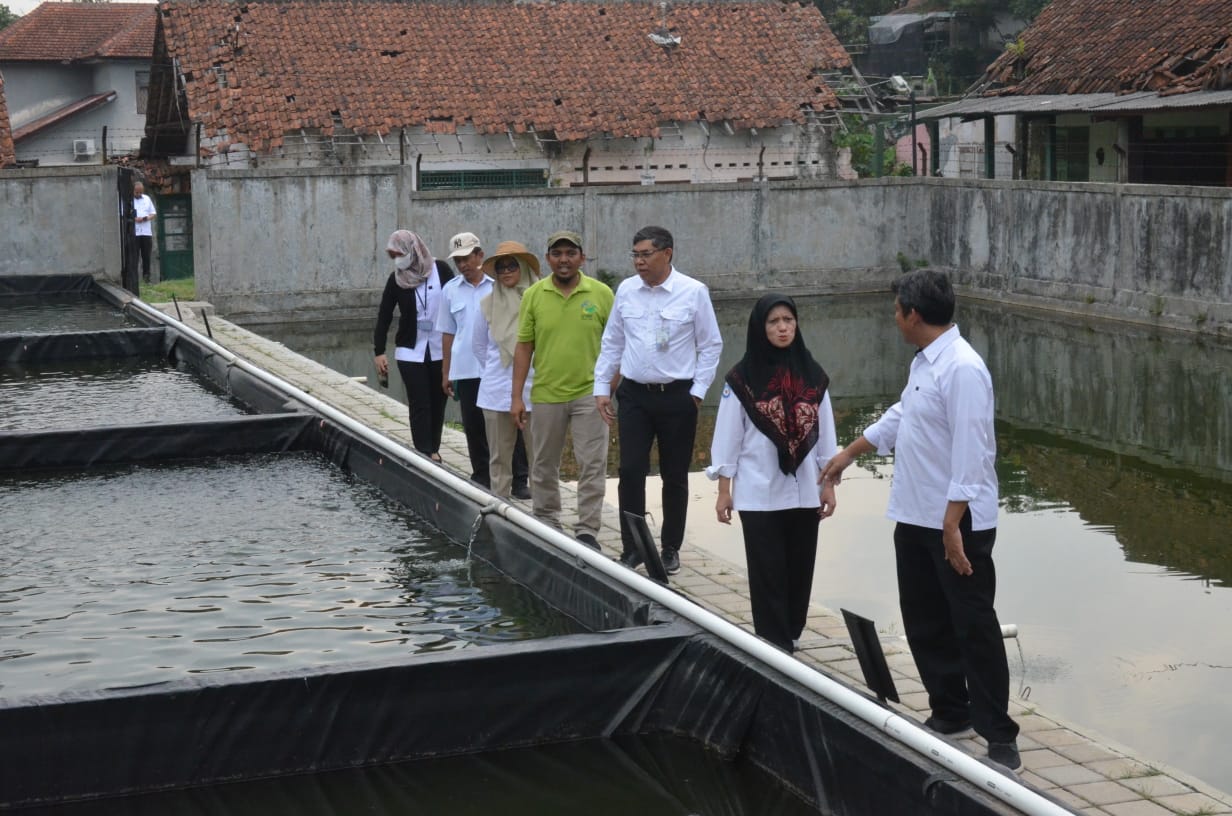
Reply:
x=640 y=670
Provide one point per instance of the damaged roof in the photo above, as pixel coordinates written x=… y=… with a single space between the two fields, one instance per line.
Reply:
x=253 y=71
x=1118 y=46
x=71 y=32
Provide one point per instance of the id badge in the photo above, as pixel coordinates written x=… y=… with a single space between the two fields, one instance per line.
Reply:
x=427 y=325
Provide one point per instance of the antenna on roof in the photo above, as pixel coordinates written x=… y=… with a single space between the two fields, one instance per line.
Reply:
x=662 y=36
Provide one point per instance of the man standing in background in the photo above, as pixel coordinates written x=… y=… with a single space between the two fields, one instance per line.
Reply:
x=663 y=339
x=143 y=208
x=455 y=320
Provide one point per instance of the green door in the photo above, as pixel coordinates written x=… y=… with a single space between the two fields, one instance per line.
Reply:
x=174 y=223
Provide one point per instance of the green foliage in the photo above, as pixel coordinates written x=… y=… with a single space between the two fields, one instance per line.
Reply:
x=848 y=19
x=955 y=69
x=860 y=137
x=161 y=292
x=6 y=16
x=906 y=264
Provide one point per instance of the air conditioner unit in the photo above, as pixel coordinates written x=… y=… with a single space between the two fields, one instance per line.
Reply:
x=83 y=147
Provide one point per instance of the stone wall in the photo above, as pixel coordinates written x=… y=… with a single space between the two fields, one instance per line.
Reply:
x=285 y=244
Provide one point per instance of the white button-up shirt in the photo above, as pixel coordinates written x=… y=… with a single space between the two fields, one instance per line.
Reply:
x=742 y=453
x=659 y=334
x=457 y=315
x=941 y=432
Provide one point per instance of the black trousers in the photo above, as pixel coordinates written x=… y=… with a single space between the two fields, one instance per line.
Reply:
x=953 y=630
x=145 y=244
x=426 y=401
x=780 y=547
x=476 y=433
x=670 y=418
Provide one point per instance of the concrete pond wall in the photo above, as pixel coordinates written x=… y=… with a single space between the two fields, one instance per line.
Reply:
x=274 y=245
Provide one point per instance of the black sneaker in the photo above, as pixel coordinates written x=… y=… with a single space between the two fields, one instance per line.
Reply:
x=1006 y=755
x=630 y=559
x=588 y=540
x=521 y=492
x=671 y=561
x=950 y=728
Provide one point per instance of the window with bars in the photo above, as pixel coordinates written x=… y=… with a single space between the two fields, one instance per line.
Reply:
x=143 y=90
x=474 y=179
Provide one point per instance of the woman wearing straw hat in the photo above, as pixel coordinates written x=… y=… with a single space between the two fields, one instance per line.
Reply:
x=514 y=269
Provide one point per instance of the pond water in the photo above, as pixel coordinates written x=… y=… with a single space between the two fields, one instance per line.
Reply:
x=50 y=313
x=646 y=776
x=1114 y=549
x=125 y=576
x=99 y=393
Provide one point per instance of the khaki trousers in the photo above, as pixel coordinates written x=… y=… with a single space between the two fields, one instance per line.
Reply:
x=548 y=424
x=502 y=437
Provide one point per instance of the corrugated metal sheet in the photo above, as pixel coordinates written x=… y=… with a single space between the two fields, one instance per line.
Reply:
x=1035 y=104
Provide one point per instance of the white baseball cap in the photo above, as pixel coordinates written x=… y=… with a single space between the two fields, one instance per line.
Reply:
x=463 y=244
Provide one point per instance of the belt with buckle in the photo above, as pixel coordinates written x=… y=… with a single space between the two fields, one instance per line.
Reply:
x=674 y=385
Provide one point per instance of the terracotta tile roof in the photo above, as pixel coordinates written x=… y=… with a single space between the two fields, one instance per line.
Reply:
x=1104 y=46
x=7 y=155
x=80 y=31
x=256 y=70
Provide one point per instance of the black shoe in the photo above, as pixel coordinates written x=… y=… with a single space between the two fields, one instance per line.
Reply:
x=630 y=559
x=671 y=561
x=950 y=728
x=588 y=540
x=521 y=492
x=1006 y=755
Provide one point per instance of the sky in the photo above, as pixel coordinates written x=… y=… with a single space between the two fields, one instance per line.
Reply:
x=24 y=6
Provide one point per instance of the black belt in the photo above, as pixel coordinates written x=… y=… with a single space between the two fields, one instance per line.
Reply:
x=667 y=387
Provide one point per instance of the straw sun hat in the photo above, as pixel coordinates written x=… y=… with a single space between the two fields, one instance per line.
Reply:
x=510 y=249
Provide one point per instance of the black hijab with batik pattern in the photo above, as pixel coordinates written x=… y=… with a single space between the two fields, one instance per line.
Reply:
x=781 y=389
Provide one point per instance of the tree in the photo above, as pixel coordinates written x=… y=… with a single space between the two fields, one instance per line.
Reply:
x=6 y=16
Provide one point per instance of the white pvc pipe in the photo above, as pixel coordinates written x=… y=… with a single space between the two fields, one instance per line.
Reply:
x=905 y=731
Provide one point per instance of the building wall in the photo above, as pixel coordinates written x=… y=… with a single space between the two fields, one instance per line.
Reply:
x=44 y=88
x=63 y=220
x=273 y=245
x=962 y=152
x=689 y=152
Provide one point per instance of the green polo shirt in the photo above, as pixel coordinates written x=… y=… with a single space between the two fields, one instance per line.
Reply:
x=567 y=333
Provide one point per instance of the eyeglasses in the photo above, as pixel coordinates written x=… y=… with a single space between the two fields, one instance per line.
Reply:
x=644 y=256
x=503 y=268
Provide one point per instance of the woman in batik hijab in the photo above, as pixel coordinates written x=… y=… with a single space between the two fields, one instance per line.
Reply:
x=414 y=287
x=773 y=435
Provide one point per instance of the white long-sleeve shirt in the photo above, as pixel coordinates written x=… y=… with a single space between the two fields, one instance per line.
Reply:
x=659 y=334
x=496 y=380
x=941 y=433
x=745 y=455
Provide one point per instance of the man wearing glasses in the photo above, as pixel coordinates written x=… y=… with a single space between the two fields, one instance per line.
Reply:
x=664 y=340
x=560 y=327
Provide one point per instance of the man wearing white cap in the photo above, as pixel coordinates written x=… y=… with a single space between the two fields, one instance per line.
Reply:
x=455 y=321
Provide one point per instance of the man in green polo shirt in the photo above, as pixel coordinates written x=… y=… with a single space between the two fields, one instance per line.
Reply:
x=560 y=328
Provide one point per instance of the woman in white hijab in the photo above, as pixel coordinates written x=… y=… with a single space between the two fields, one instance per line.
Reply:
x=514 y=269
x=414 y=287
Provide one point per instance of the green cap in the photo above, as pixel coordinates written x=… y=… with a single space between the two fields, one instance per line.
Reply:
x=565 y=235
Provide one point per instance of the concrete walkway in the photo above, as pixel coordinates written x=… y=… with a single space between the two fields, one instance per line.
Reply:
x=1082 y=770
